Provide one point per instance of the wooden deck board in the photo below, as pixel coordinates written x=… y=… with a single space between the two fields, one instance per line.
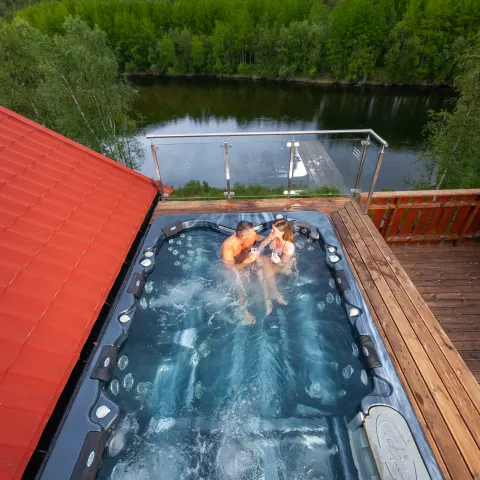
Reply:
x=326 y=205
x=439 y=382
x=320 y=166
x=448 y=278
x=443 y=392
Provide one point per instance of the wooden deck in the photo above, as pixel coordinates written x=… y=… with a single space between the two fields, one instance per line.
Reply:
x=320 y=166
x=444 y=393
x=448 y=278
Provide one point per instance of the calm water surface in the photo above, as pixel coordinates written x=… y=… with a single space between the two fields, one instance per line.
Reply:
x=204 y=106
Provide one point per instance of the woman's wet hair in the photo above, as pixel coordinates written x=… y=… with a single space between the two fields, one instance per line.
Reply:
x=286 y=227
x=243 y=227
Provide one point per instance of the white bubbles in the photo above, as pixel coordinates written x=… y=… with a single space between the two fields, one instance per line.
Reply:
x=170 y=249
x=338 y=299
x=122 y=362
x=341 y=393
x=330 y=298
x=182 y=235
x=149 y=287
x=128 y=382
x=320 y=306
x=364 y=377
x=191 y=253
x=355 y=349
x=198 y=391
x=161 y=424
x=114 y=386
x=310 y=248
x=170 y=241
x=347 y=372
x=144 y=387
x=177 y=264
x=331 y=283
x=175 y=252
x=203 y=349
x=182 y=256
x=315 y=390
x=143 y=303
x=195 y=359
x=179 y=242
x=189 y=238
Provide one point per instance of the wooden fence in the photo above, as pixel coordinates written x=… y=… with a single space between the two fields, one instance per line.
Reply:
x=426 y=216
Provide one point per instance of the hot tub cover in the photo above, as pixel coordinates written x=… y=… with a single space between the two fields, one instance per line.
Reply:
x=68 y=217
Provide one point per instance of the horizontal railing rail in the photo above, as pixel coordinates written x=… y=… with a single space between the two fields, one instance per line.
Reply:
x=426 y=216
x=366 y=136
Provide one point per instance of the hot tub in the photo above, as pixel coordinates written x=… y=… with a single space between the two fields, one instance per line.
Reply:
x=180 y=387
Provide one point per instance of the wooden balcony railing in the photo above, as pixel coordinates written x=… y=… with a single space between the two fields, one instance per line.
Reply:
x=426 y=216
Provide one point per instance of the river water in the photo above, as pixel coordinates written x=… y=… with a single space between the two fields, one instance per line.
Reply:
x=175 y=106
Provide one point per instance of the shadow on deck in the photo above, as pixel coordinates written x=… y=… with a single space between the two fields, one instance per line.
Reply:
x=444 y=393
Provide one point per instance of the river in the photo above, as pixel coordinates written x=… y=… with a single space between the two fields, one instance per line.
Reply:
x=175 y=105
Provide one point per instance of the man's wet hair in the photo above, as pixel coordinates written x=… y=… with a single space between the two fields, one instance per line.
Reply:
x=243 y=227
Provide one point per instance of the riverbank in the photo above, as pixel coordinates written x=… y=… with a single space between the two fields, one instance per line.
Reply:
x=299 y=80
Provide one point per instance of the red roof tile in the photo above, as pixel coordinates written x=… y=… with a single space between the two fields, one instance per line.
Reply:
x=68 y=217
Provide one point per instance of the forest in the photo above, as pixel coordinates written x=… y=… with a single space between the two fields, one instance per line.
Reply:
x=403 y=41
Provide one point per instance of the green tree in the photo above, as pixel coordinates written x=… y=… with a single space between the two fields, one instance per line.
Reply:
x=162 y=56
x=198 y=53
x=69 y=83
x=453 y=138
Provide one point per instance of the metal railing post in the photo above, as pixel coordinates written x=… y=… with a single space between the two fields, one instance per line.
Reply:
x=365 y=144
x=290 y=166
x=374 y=179
x=226 y=146
x=157 y=168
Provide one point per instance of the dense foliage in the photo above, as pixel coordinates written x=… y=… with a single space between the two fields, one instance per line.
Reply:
x=452 y=159
x=68 y=82
x=400 y=40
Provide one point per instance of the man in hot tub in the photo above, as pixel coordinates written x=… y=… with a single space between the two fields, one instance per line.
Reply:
x=237 y=254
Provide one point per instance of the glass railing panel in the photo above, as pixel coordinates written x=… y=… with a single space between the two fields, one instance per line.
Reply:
x=193 y=167
x=369 y=166
x=325 y=163
x=259 y=166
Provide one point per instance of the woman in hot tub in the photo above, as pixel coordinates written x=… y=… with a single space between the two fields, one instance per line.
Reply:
x=281 y=260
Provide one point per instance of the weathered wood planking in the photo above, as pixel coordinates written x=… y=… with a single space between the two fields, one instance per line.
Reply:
x=320 y=166
x=443 y=392
x=448 y=278
x=325 y=205
x=426 y=216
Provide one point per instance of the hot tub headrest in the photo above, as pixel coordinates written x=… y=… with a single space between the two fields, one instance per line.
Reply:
x=305 y=228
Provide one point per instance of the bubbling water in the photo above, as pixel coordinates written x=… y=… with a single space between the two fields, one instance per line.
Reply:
x=208 y=396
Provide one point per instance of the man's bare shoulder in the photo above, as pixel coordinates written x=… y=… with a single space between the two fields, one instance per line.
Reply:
x=228 y=245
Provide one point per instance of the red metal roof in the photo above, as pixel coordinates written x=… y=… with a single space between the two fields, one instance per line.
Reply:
x=68 y=217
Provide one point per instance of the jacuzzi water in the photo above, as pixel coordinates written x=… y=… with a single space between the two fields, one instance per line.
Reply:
x=205 y=396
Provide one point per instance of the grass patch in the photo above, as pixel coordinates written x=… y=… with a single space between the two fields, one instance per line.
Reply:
x=198 y=189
